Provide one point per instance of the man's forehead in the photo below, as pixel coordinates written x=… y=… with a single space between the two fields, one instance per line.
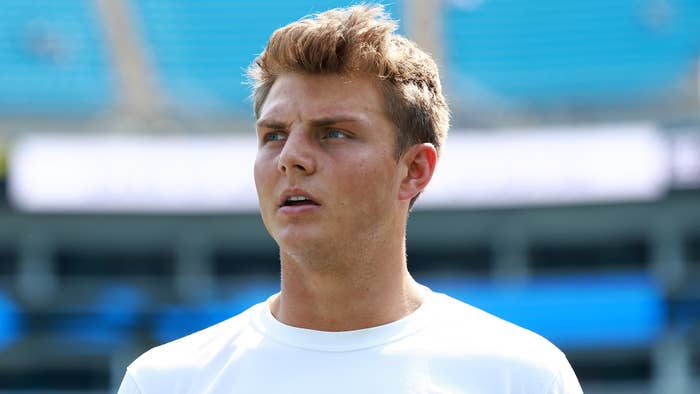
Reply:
x=321 y=99
x=323 y=85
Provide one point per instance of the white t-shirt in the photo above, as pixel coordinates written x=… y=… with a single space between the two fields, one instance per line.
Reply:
x=445 y=346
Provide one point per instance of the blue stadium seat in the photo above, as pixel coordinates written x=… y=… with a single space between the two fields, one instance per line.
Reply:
x=176 y=321
x=583 y=51
x=107 y=321
x=10 y=324
x=685 y=313
x=586 y=311
x=52 y=58
x=201 y=48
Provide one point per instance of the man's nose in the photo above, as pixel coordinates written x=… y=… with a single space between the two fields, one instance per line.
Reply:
x=297 y=155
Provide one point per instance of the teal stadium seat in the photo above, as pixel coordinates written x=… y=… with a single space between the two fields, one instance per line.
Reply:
x=593 y=311
x=550 y=52
x=53 y=58
x=201 y=48
x=108 y=321
x=10 y=324
x=175 y=321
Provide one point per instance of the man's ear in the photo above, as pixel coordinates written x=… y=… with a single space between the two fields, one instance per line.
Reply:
x=420 y=161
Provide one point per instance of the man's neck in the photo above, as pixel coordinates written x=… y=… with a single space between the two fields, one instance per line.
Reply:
x=352 y=292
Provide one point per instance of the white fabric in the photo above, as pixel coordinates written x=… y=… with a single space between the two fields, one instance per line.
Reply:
x=445 y=346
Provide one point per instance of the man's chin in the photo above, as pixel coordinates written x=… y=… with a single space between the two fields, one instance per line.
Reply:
x=304 y=239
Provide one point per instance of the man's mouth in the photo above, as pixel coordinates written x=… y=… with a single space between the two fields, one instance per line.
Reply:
x=294 y=201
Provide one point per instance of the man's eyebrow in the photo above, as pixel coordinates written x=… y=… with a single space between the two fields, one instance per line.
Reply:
x=320 y=122
x=331 y=120
x=270 y=124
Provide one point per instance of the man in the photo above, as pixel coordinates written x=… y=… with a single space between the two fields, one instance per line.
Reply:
x=350 y=121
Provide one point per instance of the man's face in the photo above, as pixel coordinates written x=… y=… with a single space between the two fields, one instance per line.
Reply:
x=325 y=172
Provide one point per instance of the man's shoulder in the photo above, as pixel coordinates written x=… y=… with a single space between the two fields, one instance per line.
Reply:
x=464 y=319
x=476 y=332
x=194 y=349
x=494 y=349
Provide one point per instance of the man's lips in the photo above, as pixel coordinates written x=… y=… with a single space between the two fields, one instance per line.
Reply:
x=295 y=198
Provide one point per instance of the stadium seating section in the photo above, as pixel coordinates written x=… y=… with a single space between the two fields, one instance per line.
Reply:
x=53 y=59
x=578 y=52
x=53 y=56
x=202 y=48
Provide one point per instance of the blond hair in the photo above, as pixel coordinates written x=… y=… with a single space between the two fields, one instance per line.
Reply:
x=361 y=39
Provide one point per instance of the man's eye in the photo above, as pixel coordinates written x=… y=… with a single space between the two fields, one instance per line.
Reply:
x=274 y=136
x=335 y=133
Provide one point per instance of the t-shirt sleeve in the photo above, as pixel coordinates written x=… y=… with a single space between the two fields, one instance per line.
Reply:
x=128 y=385
x=566 y=381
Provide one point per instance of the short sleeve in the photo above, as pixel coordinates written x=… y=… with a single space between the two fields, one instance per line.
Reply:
x=566 y=381
x=128 y=385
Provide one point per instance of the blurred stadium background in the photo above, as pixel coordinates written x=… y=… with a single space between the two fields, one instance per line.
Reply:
x=568 y=199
